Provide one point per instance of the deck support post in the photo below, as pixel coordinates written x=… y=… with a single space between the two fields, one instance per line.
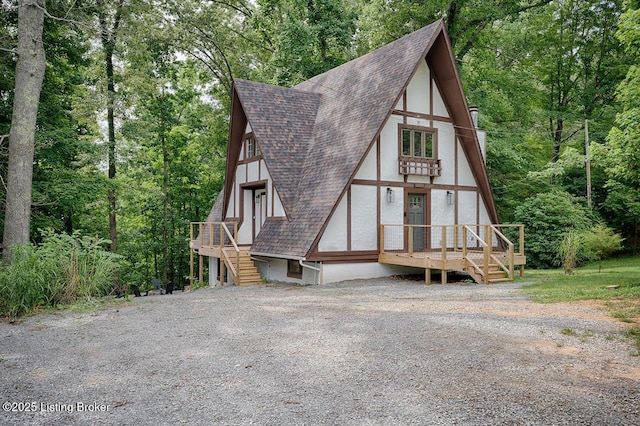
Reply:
x=427 y=276
x=222 y=271
x=200 y=268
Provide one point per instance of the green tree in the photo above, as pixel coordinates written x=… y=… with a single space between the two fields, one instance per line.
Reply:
x=305 y=37
x=600 y=242
x=547 y=218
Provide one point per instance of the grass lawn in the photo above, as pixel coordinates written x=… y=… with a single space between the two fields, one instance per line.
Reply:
x=587 y=283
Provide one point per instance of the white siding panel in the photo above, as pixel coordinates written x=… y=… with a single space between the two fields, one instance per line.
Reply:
x=245 y=233
x=335 y=235
x=439 y=107
x=241 y=174
x=364 y=224
x=253 y=171
x=441 y=212
x=446 y=152
x=465 y=175
x=232 y=203
x=400 y=104
x=467 y=207
x=369 y=168
x=389 y=150
x=278 y=209
x=248 y=129
x=418 y=90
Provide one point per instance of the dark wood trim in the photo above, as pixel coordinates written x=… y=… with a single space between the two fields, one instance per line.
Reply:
x=345 y=256
x=400 y=184
x=237 y=129
x=349 y=219
x=429 y=117
x=258 y=184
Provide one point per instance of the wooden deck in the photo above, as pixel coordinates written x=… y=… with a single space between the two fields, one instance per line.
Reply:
x=482 y=251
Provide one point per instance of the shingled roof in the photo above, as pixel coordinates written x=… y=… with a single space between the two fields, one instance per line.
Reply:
x=314 y=135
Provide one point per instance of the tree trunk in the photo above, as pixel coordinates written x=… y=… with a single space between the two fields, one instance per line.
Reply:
x=108 y=38
x=30 y=68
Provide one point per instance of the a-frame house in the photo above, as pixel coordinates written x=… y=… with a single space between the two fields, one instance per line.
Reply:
x=371 y=169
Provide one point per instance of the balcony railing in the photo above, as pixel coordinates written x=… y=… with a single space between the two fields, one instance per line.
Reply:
x=419 y=166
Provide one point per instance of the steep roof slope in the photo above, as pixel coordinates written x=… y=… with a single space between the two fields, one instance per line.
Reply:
x=315 y=134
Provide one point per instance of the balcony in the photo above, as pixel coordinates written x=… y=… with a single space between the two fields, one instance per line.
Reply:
x=419 y=166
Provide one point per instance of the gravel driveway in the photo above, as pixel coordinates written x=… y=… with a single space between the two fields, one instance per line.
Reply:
x=354 y=353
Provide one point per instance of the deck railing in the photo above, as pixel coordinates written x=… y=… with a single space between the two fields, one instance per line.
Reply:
x=480 y=245
x=220 y=235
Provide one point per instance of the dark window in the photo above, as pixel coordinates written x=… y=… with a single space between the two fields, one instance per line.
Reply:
x=417 y=143
x=294 y=269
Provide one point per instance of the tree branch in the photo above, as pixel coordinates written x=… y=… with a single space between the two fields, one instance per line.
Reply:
x=8 y=50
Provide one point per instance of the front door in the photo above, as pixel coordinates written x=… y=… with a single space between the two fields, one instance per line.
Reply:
x=417 y=215
x=259 y=210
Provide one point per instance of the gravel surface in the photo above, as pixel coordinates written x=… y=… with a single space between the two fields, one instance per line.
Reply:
x=354 y=353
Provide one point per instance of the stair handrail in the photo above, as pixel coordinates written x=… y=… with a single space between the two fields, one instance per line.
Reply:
x=230 y=266
x=236 y=248
x=486 y=252
x=510 y=255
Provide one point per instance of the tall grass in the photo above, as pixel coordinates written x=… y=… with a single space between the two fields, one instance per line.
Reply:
x=61 y=270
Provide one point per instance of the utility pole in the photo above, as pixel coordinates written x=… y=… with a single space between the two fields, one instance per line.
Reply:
x=588 y=162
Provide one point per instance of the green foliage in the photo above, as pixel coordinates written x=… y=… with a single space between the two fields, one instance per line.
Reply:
x=60 y=270
x=568 y=251
x=600 y=242
x=547 y=218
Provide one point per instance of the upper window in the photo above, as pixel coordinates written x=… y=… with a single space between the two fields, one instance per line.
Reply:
x=251 y=148
x=417 y=143
x=418 y=147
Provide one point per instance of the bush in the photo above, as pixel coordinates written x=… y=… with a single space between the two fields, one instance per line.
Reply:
x=547 y=218
x=600 y=242
x=61 y=270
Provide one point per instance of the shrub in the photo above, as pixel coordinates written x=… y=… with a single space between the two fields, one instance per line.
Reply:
x=547 y=218
x=568 y=251
x=61 y=270
x=600 y=242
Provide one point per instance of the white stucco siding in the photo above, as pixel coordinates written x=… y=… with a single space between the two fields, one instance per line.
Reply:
x=253 y=171
x=418 y=90
x=241 y=174
x=245 y=232
x=465 y=175
x=278 y=209
x=334 y=237
x=422 y=122
x=467 y=207
x=389 y=150
x=369 y=168
x=231 y=212
x=248 y=129
x=400 y=104
x=484 y=216
x=364 y=223
x=439 y=107
x=337 y=272
x=392 y=213
x=446 y=152
x=441 y=212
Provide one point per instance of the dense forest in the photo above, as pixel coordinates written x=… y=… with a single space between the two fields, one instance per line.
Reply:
x=132 y=119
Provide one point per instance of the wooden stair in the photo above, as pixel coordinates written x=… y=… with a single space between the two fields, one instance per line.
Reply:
x=248 y=272
x=495 y=274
